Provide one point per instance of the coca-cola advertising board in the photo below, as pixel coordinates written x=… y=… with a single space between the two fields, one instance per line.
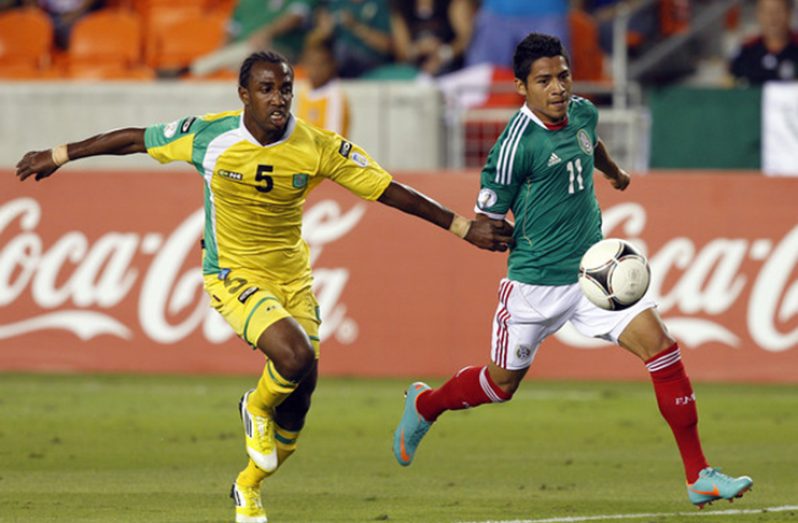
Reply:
x=100 y=271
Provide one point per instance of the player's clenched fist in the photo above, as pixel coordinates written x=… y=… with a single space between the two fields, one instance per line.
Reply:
x=494 y=235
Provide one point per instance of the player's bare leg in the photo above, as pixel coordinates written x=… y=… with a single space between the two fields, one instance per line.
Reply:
x=647 y=337
x=470 y=387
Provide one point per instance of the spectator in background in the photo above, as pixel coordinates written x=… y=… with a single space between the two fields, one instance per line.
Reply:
x=255 y=25
x=64 y=14
x=432 y=34
x=325 y=104
x=644 y=23
x=501 y=24
x=360 y=31
x=773 y=54
x=5 y=5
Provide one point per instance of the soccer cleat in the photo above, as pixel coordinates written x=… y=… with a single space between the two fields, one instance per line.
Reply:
x=259 y=431
x=712 y=485
x=248 y=506
x=412 y=426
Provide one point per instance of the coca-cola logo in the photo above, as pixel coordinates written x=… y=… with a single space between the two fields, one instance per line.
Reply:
x=708 y=281
x=76 y=283
x=103 y=275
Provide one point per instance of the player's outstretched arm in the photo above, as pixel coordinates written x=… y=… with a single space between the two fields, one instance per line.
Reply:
x=42 y=164
x=486 y=234
x=618 y=177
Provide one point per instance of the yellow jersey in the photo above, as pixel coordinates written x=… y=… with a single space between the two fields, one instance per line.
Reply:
x=254 y=194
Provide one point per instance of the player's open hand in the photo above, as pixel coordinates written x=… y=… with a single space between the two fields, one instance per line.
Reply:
x=38 y=163
x=493 y=235
x=620 y=180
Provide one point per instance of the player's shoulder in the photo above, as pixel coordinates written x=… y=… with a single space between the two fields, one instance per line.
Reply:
x=225 y=120
x=582 y=105
x=322 y=138
x=582 y=110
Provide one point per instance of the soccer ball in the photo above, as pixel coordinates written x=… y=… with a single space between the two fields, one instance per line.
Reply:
x=613 y=274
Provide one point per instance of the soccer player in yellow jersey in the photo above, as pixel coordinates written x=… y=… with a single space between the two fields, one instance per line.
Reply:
x=258 y=165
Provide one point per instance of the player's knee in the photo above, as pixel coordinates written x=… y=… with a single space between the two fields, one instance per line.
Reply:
x=508 y=385
x=297 y=361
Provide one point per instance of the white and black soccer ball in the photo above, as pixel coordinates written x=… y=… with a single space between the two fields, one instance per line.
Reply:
x=613 y=274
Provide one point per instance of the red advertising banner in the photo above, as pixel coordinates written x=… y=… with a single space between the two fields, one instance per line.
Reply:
x=100 y=271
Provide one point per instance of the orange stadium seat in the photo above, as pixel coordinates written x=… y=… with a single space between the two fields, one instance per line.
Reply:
x=107 y=44
x=157 y=21
x=180 y=42
x=586 y=56
x=26 y=39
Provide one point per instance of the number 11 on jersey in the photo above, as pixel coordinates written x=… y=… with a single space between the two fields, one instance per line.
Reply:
x=575 y=172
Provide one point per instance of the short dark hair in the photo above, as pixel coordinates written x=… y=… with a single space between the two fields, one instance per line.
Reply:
x=272 y=57
x=534 y=46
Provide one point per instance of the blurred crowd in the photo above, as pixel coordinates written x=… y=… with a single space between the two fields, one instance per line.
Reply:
x=359 y=38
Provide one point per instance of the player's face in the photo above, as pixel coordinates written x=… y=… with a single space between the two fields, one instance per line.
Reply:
x=267 y=100
x=547 y=89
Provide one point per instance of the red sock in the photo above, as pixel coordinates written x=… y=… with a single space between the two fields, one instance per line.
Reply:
x=677 y=404
x=470 y=387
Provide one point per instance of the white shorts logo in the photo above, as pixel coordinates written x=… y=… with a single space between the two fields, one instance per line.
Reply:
x=523 y=352
x=486 y=199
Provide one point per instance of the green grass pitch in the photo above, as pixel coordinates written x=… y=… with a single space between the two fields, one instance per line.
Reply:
x=77 y=448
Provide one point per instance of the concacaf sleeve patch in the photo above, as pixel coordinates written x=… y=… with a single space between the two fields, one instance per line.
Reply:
x=345 y=149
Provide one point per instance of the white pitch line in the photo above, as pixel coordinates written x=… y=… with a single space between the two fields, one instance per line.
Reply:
x=580 y=519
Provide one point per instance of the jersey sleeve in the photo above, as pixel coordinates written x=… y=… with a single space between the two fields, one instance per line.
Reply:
x=351 y=167
x=172 y=141
x=501 y=178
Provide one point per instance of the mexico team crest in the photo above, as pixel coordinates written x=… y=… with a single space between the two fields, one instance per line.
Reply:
x=584 y=141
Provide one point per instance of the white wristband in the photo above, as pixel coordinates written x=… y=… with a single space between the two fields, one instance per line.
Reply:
x=460 y=226
x=60 y=154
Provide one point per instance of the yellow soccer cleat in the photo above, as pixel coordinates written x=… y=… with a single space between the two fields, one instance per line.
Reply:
x=248 y=505
x=259 y=431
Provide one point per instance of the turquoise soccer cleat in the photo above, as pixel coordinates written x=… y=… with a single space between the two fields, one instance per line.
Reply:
x=411 y=428
x=712 y=485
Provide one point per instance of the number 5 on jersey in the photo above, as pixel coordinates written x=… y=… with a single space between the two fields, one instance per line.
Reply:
x=261 y=176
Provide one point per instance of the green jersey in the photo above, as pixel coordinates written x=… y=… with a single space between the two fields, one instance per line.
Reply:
x=544 y=176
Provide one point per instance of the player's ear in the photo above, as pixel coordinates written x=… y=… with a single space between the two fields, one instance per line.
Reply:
x=520 y=87
x=243 y=95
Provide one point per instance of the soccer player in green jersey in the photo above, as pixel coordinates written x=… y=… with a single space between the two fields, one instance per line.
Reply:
x=541 y=169
x=257 y=166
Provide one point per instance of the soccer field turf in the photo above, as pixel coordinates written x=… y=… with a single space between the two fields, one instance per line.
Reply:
x=79 y=448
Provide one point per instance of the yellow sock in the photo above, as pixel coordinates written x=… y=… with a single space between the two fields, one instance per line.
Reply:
x=272 y=389
x=286 y=443
x=252 y=476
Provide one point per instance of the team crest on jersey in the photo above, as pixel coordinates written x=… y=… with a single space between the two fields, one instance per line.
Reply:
x=584 y=141
x=360 y=160
x=170 y=129
x=486 y=199
x=299 y=180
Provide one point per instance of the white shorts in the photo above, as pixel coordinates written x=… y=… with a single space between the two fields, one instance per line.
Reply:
x=528 y=314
